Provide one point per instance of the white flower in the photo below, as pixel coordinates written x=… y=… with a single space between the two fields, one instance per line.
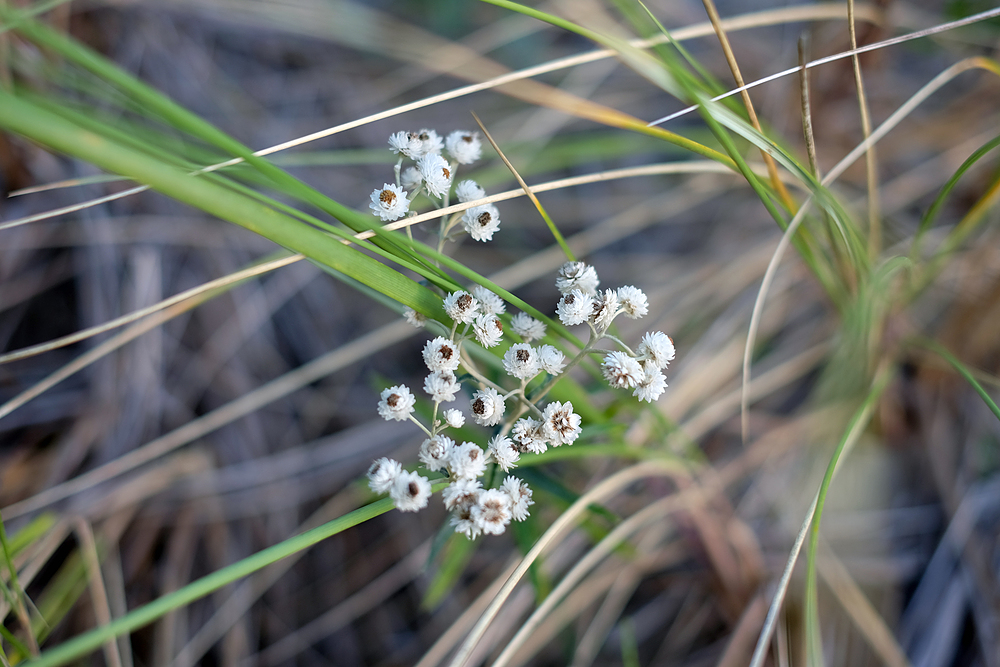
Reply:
x=652 y=385
x=577 y=275
x=410 y=492
x=397 y=403
x=465 y=147
x=437 y=174
x=529 y=434
x=389 y=203
x=403 y=142
x=382 y=473
x=503 y=452
x=436 y=452
x=551 y=359
x=442 y=386
x=467 y=461
x=633 y=301
x=454 y=418
x=488 y=301
x=482 y=222
x=414 y=319
x=461 y=492
x=488 y=330
x=527 y=327
x=657 y=348
x=520 y=497
x=468 y=190
x=621 y=371
x=574 y=307
x=521 y=361
x=604 y=310
x=441 y=354
x=562 y=425
x=492 y=512
x=461 y=307
x=410 y=179
x=425 y=142
x=464 y=523
x=487 y=407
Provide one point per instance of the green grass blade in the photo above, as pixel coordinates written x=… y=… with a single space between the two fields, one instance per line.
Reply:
x=928 y=219
x=964 y=371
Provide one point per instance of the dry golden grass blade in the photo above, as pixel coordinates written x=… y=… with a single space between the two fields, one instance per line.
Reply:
x=871 y=164
x=98 y=593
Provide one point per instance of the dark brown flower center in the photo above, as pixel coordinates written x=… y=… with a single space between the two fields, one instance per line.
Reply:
x=479 y=406
x=413 y=488
x=464 y=302
x=387 y=197
x=484 y=219
x=523 y=355
x=392 y=400
x=446 y=352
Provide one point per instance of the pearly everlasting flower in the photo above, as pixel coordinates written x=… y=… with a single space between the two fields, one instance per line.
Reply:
x=574 y=307
x=503 y=452
x=577 y=275
x=461 y=492
x=529 y=435
x=652 y=385
x=442 y=386
x=436 y=452
x=463 y=522
x=410 y=492
x=436 y=173
x=454 y=418
x=487 y=407
x=382 y=473
x=468 y=190
x=411 y=179
x=467 y=461
x=562 y=425
x=521 y=361
x=604 y=309
x=492 y=512
x=527 y=327
x=551 y=359
x=425 y=142
x=397 y=403
x=488 y=330
x=633 y=301
x=403 y=142
x=414 y=319
x=441 y=354
x=621 y=371
x=461 y=307
x=520 y=497
x=482 y=222
x=657 y=348
x=465 y=147
x=389 y=202
x=488 y=301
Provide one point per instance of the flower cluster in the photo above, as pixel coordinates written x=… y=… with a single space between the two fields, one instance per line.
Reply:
x=521 y=420
x=434 y=174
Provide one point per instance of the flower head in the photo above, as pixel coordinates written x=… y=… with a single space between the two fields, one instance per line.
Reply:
x=414 y=319
x=488 y=301
x=527 y=327
x=436 y=173
x=461 y=492
x=389 y=202
x=410 y=492
x=521 y=361
x=634 y=302
x=488 y=329
x=396 y=404
x=520 y=497
x=382 y=473
x=403 y=142
x=410 y=179
x=468 y=190
x=621 y=371
x=467 y=461
x=492 y=512
x=442 y=386
x=465 y=147
x=562 y=425
x=454 y=418
x=577 y=275
x=551 y=359
x=529 y=435
x=604 y=309
x=441 y=354
x=503 y=452
x=461 y=307
x=436 y=452
x=652 y=385
x=657 y=348
x=574 y=307
x=425 y=142
x=487 y=407
x=482 y=222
